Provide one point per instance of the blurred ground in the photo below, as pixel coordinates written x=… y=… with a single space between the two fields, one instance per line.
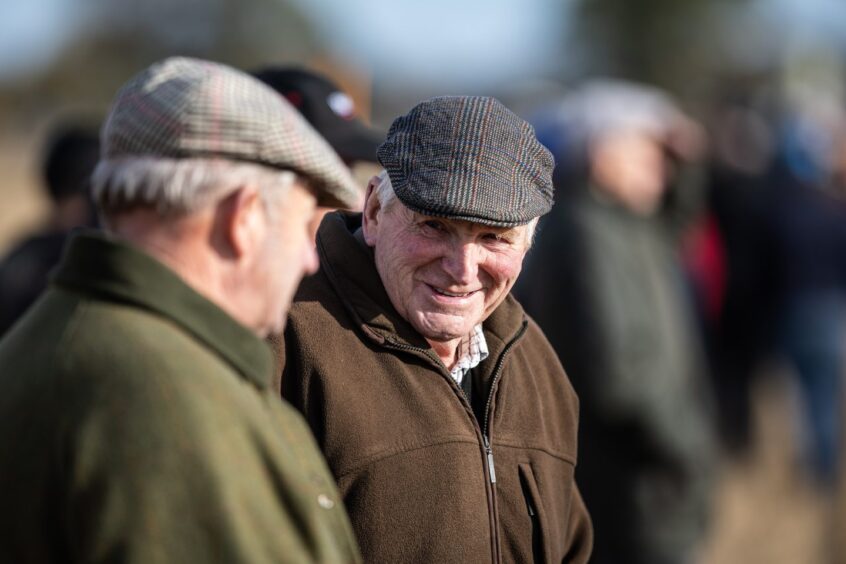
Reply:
x=766 y=510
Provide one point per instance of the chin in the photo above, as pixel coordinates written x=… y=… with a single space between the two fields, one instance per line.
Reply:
x=441 y=333
x=442 y=337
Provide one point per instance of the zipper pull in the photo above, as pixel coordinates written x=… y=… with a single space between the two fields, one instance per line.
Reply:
x=531 y=506
x=490 y=460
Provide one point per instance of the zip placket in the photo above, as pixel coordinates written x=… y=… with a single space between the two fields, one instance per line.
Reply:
x=486 y=435
x=484 y=430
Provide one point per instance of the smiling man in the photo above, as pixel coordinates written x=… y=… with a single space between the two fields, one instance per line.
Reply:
x=445 y=416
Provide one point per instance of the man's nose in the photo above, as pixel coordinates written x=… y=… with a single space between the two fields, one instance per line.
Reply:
x=461 y=262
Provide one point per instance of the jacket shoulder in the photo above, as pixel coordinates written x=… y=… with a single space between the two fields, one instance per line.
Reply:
x=539 y=354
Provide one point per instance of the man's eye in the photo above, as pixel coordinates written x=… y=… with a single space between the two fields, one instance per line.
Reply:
x=432 y=224
x=497 y=237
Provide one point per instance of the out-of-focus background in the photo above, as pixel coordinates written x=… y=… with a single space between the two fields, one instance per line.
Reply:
x=760 y=83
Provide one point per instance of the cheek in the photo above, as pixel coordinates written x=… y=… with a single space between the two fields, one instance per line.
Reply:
x=503 y=269
x=405 y=255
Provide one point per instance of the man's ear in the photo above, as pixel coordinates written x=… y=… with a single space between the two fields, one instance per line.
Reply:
x=241 y=221
x=370 y=215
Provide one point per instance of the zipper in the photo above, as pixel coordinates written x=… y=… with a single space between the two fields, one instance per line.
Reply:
x=488 y=450
x=486 y=435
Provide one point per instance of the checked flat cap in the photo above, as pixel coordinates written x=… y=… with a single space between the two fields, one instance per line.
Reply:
x=469 y=158
x=183 y=108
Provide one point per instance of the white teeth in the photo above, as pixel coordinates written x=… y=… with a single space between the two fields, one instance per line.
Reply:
x=451 y=294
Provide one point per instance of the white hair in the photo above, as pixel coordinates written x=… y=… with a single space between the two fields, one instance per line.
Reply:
x=384 y=191
x=180 y=186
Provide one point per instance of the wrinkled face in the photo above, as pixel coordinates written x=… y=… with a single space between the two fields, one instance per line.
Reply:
x=287 y=254
x=443 y=276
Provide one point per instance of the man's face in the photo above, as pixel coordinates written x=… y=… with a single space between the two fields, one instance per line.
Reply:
x=288 y=253
x=444 y=276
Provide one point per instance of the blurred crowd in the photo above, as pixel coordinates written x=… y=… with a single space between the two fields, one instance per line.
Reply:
x=681 y=262
x=683 y=257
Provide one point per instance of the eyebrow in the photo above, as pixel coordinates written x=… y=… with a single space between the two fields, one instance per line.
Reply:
x=507 y=232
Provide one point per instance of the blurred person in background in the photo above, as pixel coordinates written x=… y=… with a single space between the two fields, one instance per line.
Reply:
x=740 y=322
x=776 y=192
x=443 y=412
x=332 y=112
x=605 y=284
x=807 y=241
x=137 y=419
x=70 y=154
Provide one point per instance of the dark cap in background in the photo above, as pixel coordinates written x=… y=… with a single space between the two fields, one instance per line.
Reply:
x=183 y=108
x=469 y=158
x=327 y=108
x=70 y=156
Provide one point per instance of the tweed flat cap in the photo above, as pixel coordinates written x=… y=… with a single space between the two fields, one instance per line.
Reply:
x=469 y=158
x=182 y=108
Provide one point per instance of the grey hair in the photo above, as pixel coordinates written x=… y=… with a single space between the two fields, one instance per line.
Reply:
x=385 y=192
x=532 y=230
x=179 y=186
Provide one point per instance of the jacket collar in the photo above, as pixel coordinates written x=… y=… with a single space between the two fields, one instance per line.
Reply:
x=348 y=263
x=114 y=270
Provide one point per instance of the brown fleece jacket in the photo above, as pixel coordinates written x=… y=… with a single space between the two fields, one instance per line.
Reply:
x=401 y=438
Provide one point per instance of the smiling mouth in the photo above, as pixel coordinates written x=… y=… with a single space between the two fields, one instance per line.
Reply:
x=449 y=294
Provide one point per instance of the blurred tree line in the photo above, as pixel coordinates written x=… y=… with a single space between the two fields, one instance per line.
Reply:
x=123 y=36
x=685 y=46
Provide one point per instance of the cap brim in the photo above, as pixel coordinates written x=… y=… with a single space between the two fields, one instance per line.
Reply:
x=357 y=142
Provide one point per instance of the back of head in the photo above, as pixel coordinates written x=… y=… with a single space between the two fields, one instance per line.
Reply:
x=468 y=158
x=183 y=112
x=215 y=175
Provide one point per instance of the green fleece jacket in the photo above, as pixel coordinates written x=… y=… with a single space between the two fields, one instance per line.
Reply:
x=423 y=478
x=137 y=425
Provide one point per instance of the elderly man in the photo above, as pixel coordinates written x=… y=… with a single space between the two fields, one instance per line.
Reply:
x=137 y=423
x=445 y=416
